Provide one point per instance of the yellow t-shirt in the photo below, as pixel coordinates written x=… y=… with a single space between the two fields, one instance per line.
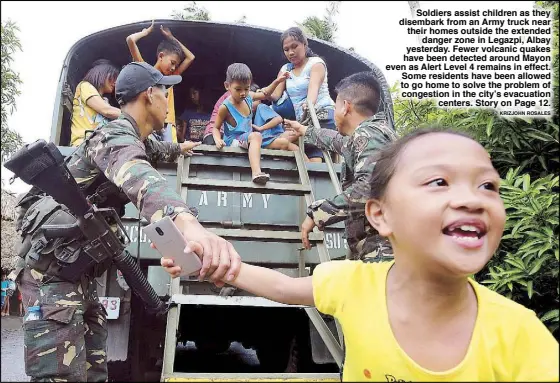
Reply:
x=83 y=117
x=509 y=342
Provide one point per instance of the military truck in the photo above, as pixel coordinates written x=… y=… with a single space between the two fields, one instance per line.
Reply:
x=288 y=346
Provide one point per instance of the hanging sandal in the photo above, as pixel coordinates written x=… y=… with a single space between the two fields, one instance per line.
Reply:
x=261 y=178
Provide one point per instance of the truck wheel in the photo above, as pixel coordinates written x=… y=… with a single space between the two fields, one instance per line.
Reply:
x=280 y=356
x=119 y=371
x=212 y=346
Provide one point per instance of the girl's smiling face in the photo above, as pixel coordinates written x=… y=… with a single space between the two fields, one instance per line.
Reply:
x=441 y=208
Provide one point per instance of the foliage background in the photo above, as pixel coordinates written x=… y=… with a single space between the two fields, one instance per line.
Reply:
x=11 y=82
x=525 y=153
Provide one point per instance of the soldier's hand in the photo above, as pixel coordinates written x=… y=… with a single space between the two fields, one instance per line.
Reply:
x=220 y=261
x=188 y=146
x=295 y=127
x=306 y=228
x=169 y=266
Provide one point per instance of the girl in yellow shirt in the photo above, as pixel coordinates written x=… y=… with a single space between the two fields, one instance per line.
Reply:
x=434 y=194
x=90 y=110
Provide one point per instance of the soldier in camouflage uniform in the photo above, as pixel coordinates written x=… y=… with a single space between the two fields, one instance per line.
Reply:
x=69 y=342
x=361 y=133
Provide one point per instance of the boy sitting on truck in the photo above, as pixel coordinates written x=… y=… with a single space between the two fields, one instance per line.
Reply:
x=173 y=58
x=269 y=124
x=236 y=114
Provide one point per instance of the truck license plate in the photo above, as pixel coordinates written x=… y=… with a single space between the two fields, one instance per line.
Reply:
x=112 y=305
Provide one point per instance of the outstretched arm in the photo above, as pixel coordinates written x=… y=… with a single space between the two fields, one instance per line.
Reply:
x=277 y=93
x=105 y=109
x=324 y=139
x=133 y=39
x=262 y=282
x=274 y=285
x=265 y=93
x=189 y=57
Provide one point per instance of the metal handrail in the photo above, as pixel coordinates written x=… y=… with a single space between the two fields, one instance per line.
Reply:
x=326 y=154
x=338 y=189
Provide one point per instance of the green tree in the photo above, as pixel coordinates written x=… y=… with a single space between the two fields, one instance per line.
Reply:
x=192 y=11
x=11 y=140
x=526 y=154
x=323 y=28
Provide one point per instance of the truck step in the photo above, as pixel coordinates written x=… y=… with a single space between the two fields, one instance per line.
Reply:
x=248 y=377
x=235 y=300
x=226 y=150
x=246 y=186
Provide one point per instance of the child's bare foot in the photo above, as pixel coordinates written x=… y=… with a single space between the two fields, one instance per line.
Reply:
x=261 y=178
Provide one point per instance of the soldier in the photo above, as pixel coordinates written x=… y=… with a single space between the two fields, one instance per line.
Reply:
x=361 y=133
x=113 y=166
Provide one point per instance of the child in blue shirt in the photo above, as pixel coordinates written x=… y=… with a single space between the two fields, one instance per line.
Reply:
x=5 y=285
x=236 y=114
x=269 y=124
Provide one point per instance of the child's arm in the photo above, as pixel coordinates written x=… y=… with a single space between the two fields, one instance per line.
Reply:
x=274 y=285
x=277 y=93
x=220 y=117
x=261 y=281
x=189 y=57
x=133 y=39
x=269 y=125
x=105 y=109
x=265 y=93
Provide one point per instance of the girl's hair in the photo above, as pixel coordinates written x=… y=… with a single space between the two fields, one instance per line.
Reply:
x=101 y=71
x=297 y=34
x=388 y=157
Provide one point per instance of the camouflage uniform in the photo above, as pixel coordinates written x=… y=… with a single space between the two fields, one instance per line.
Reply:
x=69 y=343
x=358 y=163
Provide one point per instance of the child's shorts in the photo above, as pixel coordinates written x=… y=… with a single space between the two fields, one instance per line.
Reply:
x=241 y=141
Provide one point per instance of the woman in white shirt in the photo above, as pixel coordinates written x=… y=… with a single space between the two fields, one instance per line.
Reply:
x=308 y=81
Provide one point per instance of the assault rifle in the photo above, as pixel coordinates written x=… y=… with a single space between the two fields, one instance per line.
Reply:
x=41 y=164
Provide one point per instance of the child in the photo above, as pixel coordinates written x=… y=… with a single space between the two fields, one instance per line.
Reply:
x=90 y=109
x=194 y=116
x=173 y=58
x=5 y=298
x=269 y=124
x=420 y=317
x=236 y=113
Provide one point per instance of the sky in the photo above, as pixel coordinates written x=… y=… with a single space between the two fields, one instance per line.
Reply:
x=371 y=28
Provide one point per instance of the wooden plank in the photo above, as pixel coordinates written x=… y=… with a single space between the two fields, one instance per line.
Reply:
x=246 y=186
x=272 y=235
x=239 y=151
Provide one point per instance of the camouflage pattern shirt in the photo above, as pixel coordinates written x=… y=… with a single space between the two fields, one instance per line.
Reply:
x=116 y=153
x=358 y=162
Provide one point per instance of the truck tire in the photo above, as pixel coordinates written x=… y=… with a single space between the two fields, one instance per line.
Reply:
x=279 y=356
x=212 y=346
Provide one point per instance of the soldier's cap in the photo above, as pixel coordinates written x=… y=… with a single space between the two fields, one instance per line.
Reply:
x=136 y=77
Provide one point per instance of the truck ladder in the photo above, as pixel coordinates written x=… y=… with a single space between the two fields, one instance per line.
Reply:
x=303 y=188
